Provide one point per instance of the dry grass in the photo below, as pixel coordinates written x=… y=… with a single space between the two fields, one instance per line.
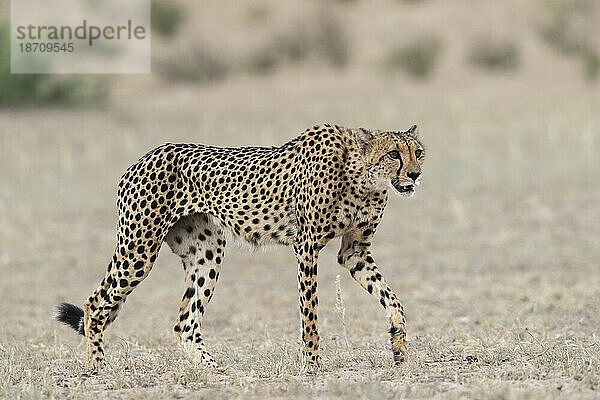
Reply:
x=495 y=258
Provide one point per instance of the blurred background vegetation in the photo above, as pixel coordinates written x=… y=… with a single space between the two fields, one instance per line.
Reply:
x=410 y=40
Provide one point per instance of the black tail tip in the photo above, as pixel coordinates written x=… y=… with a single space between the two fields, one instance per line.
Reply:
x=69 y=314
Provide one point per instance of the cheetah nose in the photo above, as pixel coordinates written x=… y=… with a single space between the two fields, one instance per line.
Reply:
x=413 y=175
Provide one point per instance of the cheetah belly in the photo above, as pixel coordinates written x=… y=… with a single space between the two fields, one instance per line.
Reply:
x=273 y=225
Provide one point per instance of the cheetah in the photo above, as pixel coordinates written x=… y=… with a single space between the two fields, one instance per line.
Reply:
x=328 y=182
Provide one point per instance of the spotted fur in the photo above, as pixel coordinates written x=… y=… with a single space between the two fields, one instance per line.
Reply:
x=328 y=182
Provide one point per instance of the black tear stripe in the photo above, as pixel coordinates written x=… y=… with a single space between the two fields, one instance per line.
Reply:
x=401 y=163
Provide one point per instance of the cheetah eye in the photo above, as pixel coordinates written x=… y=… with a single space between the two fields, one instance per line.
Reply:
x=394 y=154
x=418 y=153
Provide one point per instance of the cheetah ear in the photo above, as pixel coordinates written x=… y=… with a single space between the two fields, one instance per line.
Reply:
x=414 y=131
x=363 y=139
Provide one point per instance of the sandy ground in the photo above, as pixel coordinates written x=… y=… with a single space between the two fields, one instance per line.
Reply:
x=495 y=258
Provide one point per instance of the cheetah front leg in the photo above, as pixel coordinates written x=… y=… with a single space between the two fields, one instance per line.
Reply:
x=355 y=256
x=307 y=294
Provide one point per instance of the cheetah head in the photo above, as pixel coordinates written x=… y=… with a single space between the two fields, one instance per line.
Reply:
x=392 y=159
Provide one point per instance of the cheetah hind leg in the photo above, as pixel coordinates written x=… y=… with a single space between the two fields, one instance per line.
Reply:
x=200 y=243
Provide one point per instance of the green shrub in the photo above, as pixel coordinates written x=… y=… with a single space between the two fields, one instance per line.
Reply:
x=293 y=45
x=591 y=65
x=331 y=42
x=417 y=59
x=325 y=41
x=76 y=90
x=48 y=89
x=264 y=61
x=495 y=55
x=258 y=13
x=165 y=16
x=565 y=26
x=195 y=64
x=569 y=28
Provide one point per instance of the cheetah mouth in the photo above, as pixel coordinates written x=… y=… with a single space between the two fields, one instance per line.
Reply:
x=408 y=189
x=403 y=190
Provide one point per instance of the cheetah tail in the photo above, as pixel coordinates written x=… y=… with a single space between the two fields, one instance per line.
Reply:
x=69 y=314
